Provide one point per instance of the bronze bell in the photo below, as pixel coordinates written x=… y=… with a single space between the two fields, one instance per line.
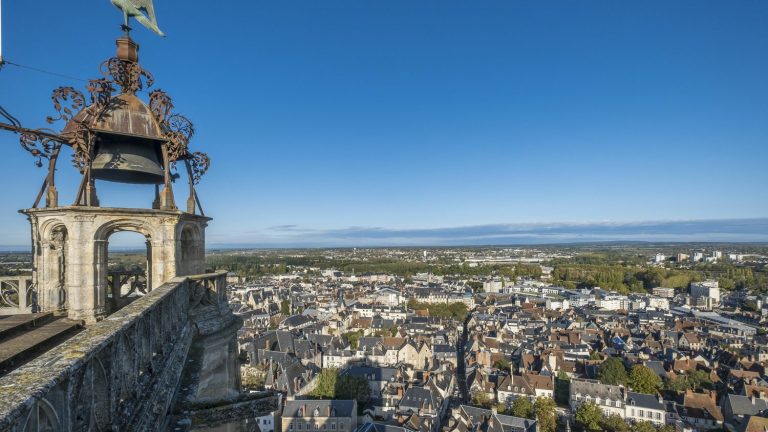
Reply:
x=127 y=159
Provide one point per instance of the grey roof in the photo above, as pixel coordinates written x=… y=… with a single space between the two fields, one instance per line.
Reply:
x=657 y=367
x=380 y=427
x=338 y=408
x=476 y=416
x=511 y=423
x=442 y=348
x=645 y=401
x=595 y=389
x=415 y=397
x=744 y=405
x=371 y=373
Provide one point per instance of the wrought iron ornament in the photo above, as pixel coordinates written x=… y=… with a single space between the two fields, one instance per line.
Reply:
x=130 y=78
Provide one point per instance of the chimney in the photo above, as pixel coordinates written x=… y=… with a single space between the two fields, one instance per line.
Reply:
x=753 y=399
x=494 y=410
x=328 y=410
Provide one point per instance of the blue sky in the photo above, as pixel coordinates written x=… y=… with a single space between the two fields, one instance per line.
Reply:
x=402 y=116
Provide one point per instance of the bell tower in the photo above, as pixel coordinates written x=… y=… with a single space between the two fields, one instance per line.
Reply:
x=114 y=136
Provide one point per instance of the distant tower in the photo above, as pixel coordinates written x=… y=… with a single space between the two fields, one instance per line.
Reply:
x=117 y=138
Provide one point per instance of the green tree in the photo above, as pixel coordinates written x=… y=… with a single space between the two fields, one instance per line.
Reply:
x=502 y=364
x=522 y=407
x=699 y=379
x=643 y=380
x=349 y=387
x=481 y=399
x=501 y=408
x=544 y=412
x=612 y=371
x=562 y=388
x=589 y=417
x=326 y=384
x=644 y=426
x=353 y=338
x=614 y=423
x=285 y=307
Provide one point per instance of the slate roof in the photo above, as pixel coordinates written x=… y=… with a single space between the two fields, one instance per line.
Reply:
x=416 y=397
x=371 y=373
x=744 y=405
x=645 y=401
x=343 y=408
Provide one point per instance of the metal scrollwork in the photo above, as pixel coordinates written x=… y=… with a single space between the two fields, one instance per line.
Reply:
x=130 y=76
x=82 y=147
x=179 y=130
x=101 y=90
x=61 y=95
x=160 y=104
x=199 y=162
x=39 y=143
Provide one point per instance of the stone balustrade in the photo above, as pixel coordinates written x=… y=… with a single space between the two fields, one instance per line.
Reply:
x=121 y=373
x=16 y=295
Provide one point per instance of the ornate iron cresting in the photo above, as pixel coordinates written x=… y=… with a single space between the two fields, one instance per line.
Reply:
x=129 y=75
x=81 y=112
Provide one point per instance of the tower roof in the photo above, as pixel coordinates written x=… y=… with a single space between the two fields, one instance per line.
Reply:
x=124 y=114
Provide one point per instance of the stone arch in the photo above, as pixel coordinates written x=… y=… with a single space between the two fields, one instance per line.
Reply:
x=189 y=249
x=42 y=417
x=101 y=237
x=124 y=224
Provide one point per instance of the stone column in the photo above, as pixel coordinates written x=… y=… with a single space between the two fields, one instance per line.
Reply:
x=86 y=290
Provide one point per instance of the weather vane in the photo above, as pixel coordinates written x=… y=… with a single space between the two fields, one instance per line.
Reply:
x=138 y=9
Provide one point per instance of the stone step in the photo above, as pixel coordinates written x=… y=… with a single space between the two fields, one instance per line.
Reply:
x=12 y=325
x=30 y=344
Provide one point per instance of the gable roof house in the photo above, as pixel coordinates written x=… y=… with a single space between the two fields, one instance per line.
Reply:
x=610 y=398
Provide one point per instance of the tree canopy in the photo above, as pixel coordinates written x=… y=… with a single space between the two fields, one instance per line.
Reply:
x=643 y=380
x=612 y=371
x=331 y=385
x=522 y=407
x=544 y=412
x=589 y=417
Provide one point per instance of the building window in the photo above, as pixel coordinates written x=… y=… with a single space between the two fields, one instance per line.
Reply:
x=642 y=413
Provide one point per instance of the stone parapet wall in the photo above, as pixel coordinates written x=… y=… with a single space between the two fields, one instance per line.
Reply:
x=120 y=373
